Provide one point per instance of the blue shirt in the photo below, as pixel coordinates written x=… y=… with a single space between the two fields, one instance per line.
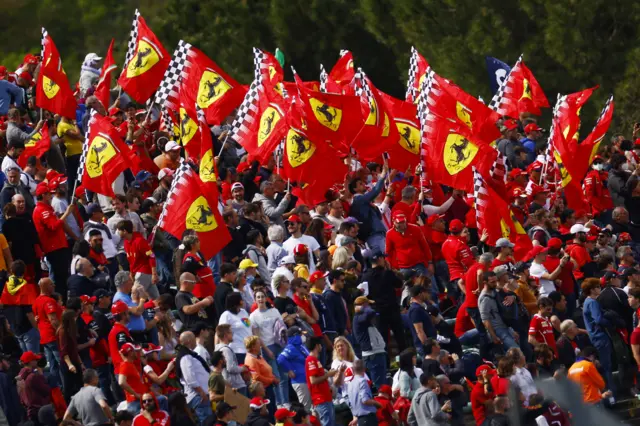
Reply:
x=359 y=392
x=419 y=315
x=136 y=322
x=9 y=94
x=594 y=320
x=369 y=215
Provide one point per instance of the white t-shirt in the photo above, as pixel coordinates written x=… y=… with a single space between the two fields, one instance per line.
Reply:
x=203 y=352
x=396 y=377
x=264 y=321
x=308 y=241
x=241 y=327
x=546 y=286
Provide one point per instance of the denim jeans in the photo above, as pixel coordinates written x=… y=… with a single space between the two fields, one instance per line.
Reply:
x=104 y=378
x=326 y=413
x=201 y=408
x=377 y=241
x=506 y=335
x=281 y=390
x=52 y=354
x=29 y=341
x=605 y=354
x=470 y=337
x=376 y=365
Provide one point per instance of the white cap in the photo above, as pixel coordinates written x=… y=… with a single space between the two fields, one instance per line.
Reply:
x=171 y=146
x=237 y=185
x=91 y=57
x=578 y=227
x=164 y=173
x=287 y=260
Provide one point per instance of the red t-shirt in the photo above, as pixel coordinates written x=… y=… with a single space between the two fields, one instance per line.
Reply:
x=160 y=418
x=139 y=254
x=100 y=351
x=497 y=262
x=500 y=385
x=42 y=307
x=566 y=274
x=458 y=256
x=321 y=392
x=49 y=227
x=471 y=284
x=134 y=379
x=306 y=307
x=541 y=329
x=478 y=402
x=384 y=413
x=579 y=253
x=635 y=336
x=118 y=336
x=463 y=321
x=206 y=286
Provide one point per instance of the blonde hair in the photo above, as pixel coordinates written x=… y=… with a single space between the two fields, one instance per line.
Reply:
x=250 y=341
x=351 y=355
x=340 y=258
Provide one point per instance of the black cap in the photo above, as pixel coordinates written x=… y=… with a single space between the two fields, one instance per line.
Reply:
x=376 y=254
x=628 y=272
x=101 y=292
x=433 y=311
x=520 y=267
x=222 y=408
x=294 y=331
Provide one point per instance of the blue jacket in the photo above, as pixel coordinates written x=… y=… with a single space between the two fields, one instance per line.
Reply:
x=369 y=215
x=293 y=357
x=327 y=323
x=9 y=94
x=595 y=321
x=365 y=332
x=336 y=310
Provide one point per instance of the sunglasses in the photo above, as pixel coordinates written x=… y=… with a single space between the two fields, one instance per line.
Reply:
x=147 y=401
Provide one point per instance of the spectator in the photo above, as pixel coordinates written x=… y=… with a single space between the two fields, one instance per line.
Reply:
x=89 y=404
x=179 y=411
x=260 y=369
x=80 y=283
x=191 y=310
x=257 y=254
x=238 y=319
x=259 y=414
x=48 y=315
x=13 y=186
x=141 y=259
x=406 y=246
x=151 y=412
x=458 y=256
x=227 y=277
x=273 y=210
x=291 y=362
x=294 y=226
x=537 y=270
x=170 y=158
x=540 y=329
x=71 y=366
x=425 y=407
x=370 y=341
x=318 y=383
x=336 y=305
x=121 y=212
x=32 y=385
x=499 y=333
x=422 y=328
x=373 y=230
x=14 y=133
x=408 y=381
x=194 y=262
x=193 y=372
x=233 y=372
x=568 y=345
x=18 y=297
x=363 y=406
x=521 y=378
x=585 y=373
x=124 y=285
x=275 y=252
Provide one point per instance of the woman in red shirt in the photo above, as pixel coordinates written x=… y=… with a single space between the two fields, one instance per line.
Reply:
x=71 y=365
x=193 y=262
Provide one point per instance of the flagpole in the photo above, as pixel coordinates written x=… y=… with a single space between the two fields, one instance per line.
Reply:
x=223 y=144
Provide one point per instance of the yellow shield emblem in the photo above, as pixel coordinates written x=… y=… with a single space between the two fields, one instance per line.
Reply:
x=594 y=150
x=200 y=217
x=526 y=90
x=145 y=58
x=564 y=174
x=463 y=114
x=516 y=223
x=386 y=129
x=49 y=87
x=458 y=153
x=409 y=137
x=272 y=72
x=208 y=167
x=100 y=152
x=268 y=121
x=188 y=127
x=372 y=118
x=33 y=140
x=328 y=116
x=212 y=86
x=504 y=229
x=299 y=148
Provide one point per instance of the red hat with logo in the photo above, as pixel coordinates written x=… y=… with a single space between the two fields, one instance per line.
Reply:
x=29 y=356
x=257 y=403
x=534 y=166
x=283 y=414
x=300 y=249
x=485 y=367
x=86 y=299
x=537 y=189
x=514 y=173
x=532 y=127
x=399 y=217
x=317 y=275
x=294 y=218
x=510 y=124
x=456 y=226
x=127 y=348
x=42 y=189
x=30 y=59
x=535 y=252
x=385 y=389
x=554 y=243
x=434 y=218
x=119 y=307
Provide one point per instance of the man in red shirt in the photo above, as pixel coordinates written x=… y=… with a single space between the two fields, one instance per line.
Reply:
x=406 y=246
x=567 y=285
x=318 y=382
x=540 y=329
x=458 y=256
x=142 y=261
x=130 y=377
x=595 y=190
x=53 y=239
x=578 y=252
x=119 y=334
x=482 y=393
x=386 y=415
x=408 y=206
x=48 y=314
x=505 y=254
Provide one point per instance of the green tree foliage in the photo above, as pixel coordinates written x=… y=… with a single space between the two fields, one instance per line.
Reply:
x=569 y=45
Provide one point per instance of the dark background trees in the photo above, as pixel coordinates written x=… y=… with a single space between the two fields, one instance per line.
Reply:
x=569 y=45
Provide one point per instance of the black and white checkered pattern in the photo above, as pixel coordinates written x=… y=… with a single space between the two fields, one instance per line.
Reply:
x=85 y=151
x=246 y=112
x=479 y=192
x=498 y=99
x=167 y=124
x=183 y=170
x=169 y=89
x=425 y=117
x=413 y=73
x=606 y=108
x=323 y=79
x=499 y=168
x=44 y=36
x=259 y=64
x=133 y=38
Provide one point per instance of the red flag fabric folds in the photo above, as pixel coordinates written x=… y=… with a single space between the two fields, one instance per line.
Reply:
x=53 y=91
x=418 y=67
x=520 y=92
x=104 y=84
x=36 y=146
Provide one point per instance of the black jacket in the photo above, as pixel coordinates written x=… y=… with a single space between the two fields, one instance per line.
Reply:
x=220 y=296
x=382 y=285
x=79 y=285
x=616 y=300
x=255 y=419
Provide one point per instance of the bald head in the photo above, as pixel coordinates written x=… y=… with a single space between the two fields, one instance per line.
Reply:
x=188 y=339
x=46 y=286
x=84 y=267
x=18 y=201
x=187 y=281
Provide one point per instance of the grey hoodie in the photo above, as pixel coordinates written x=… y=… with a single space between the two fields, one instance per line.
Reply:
x=426 y=410
x=253 y=253
x=272 y=209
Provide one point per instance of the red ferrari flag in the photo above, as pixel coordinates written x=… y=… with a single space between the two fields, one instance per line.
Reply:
x=192 y=205
x=267 y=68
x=53 y=91
x=519 y=92
x=104 y=156
x=568 y=112
x=403 y=143
x=145 y=63
x=104 y=84
x=189 y=128
x=36 y=146
x=207 y=167
x=494 y=216
x=591 y=143
x=340 y=75
x=418 y=67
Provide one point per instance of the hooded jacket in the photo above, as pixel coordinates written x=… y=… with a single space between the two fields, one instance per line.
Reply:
x=426 y=410
x=256 y=419
x=256 y=256
x=366 y=333
x=35 y=392
x=293 y=358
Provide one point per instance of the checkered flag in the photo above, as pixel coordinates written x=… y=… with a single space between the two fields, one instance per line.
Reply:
x=131 y=45
x=362 y=85
x=178 y=179
x=499 y=168
x=166 y=121
x=425 y=118
x=413 y=73
x=85 y=152
x=480 y=194
x=44 y=36
x=323 y=79
x=259 y=64
x=246 y=112
x=499 y=98
x=169 y=89
x=605 y=110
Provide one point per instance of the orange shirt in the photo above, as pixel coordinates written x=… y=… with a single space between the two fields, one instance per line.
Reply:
x=586 y=375
x=260 y=369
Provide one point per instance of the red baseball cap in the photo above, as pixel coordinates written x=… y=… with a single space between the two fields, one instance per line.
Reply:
x=294 y=218
x=484 y=367
x=517 y=172
x=456 y=226
x=151 y=348
x=283 y=414
x=385 y=389
x=537 y=189
x=300 y=249
x=119 y=307
x=554 y=243
x=534 y=166
x=30 y=59
x=127 y=348
x=317 y=275
x=510 y=124
x=535 y=251
x=29 y=356
x=86 y=299
x=532 y=127
x=399 y=217
x=42 y=188
x=434 y=218
x=257 y=403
